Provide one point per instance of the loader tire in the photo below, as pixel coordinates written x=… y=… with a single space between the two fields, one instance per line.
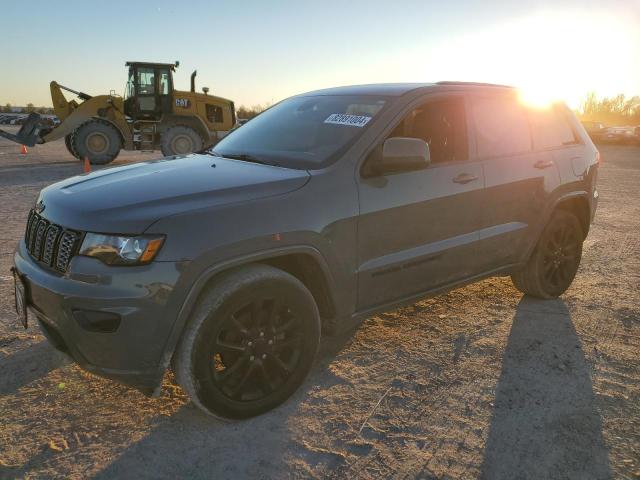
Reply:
x=180 y=140
x=67 y=143
x=97 y=140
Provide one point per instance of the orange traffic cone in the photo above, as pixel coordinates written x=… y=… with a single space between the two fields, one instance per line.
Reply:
x=87 y=165
x=23 y=150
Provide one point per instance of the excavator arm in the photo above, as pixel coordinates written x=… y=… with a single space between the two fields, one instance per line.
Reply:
x=72 y=114
x=34 y=128
x=61 y=106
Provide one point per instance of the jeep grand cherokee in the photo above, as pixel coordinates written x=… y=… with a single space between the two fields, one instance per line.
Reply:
x=326 y=208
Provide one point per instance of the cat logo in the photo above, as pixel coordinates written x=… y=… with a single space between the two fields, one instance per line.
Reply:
x=182 y=102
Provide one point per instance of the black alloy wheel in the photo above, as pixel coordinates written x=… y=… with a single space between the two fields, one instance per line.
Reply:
x=554 y=262
x=561 y=254
x=256 y=350
x=249 y=343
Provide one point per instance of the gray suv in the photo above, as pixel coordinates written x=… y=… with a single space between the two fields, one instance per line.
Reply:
x=323 y=210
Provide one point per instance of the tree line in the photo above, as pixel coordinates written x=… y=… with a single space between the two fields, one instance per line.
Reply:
x=619 y=110
x=250 y=112
x=8 y=108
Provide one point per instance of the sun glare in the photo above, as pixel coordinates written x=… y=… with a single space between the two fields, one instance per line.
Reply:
x=549 y=56
x=538 y=98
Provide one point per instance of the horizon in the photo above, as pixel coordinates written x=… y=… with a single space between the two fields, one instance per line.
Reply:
x=283 y=49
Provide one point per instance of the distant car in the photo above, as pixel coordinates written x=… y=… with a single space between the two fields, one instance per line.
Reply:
x=594 y=129
x=620 y=135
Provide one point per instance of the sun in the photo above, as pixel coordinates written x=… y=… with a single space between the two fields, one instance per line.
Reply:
x=549 y=56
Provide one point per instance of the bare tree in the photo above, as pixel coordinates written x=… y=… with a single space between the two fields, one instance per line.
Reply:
x=617 y=110
x=250 y=112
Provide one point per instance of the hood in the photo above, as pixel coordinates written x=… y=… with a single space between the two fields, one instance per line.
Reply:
x=130 y=198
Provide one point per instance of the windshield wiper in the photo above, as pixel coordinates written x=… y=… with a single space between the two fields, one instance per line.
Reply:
x=245 y=157
x=209 y=152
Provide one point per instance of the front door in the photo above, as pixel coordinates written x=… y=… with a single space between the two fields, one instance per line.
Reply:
x=418 y=230
x=147 y=95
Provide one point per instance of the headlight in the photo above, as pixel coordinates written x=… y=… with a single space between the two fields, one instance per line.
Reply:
x=118 y=250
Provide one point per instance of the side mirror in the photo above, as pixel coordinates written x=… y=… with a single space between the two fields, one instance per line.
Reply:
x=401 y=154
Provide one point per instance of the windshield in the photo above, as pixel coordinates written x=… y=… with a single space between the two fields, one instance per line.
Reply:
x=302 y=132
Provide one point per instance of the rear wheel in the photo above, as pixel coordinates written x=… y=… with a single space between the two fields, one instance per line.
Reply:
x=249 y=344
x=97 y=140
x=555 y=259
x=67 y=143
x=180 y=140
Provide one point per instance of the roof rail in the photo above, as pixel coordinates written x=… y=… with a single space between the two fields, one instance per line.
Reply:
x=472 y=84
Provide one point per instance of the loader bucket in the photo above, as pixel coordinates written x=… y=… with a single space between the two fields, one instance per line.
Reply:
x=29 y=134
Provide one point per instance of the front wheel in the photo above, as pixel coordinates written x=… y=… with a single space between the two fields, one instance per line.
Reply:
x=67 y=143
x=97 y=140
x=249 y=343
x=555 y=259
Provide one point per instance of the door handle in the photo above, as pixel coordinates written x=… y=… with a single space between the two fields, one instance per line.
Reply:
x=542 y=164
x=465 y=178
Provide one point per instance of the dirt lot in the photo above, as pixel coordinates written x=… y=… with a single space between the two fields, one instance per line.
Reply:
x=481 y=382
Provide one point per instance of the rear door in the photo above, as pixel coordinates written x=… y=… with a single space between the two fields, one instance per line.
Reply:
x=553 y=133
x=519 y=178
x=418 y=230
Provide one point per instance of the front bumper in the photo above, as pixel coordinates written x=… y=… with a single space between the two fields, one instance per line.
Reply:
x=66 y=306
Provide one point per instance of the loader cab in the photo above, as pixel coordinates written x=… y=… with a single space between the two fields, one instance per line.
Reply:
x=149 y=89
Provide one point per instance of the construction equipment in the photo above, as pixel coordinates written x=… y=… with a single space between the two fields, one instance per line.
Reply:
x=152 y=115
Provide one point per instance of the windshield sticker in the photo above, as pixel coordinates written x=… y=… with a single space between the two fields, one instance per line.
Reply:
x=345 y=119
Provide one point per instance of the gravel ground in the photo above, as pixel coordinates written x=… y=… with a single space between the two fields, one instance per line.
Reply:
x=478 y=383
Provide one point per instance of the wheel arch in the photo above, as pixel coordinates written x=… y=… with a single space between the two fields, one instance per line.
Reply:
x=574 y=202
x=306 y=263
x=578 y=205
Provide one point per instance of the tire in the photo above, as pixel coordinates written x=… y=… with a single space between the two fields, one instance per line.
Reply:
x=180 y=140
x=555 y=260
x=226 y=365
x=97 y=140
x=67 y=143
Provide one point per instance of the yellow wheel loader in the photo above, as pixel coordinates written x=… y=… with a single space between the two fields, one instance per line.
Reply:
x=152 y=115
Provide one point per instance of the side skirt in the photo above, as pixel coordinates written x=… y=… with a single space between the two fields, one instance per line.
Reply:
x=348 y=323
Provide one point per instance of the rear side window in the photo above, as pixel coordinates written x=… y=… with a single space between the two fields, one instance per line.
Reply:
x=502 y=127
x=550 y=128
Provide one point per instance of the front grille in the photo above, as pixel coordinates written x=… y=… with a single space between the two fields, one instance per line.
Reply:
x=50 y=244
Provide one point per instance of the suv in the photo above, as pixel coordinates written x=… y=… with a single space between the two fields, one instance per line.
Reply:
x=325 y=209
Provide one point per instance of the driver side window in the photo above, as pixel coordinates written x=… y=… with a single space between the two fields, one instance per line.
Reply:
x=440 y=123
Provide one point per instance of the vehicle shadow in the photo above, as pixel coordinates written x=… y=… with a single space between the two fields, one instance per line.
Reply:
x=28 y=365
x=545 y=422
x=20 y=176
x=190 y=444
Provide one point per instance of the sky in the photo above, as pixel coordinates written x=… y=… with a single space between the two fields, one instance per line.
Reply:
x=259 y=52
